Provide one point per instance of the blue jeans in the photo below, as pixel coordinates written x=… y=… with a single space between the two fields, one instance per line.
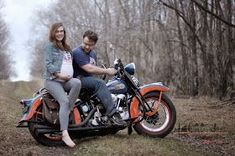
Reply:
x=99 y=88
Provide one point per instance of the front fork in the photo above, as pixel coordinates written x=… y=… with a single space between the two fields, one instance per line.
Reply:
x=155 y=108
x=146 y=108
x=139 y=100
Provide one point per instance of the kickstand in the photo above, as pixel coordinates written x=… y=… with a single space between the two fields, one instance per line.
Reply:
x=129 y=130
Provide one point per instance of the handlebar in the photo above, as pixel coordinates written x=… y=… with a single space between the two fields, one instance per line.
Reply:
x=118 y=64
x=119 y=67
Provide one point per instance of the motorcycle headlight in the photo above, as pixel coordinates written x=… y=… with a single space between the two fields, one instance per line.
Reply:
x=130 y=68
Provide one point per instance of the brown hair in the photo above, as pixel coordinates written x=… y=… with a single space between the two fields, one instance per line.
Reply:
x=91 y=35
x=64 y=45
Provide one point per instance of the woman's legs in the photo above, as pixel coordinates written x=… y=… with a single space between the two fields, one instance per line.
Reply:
x=73 y=87
x=57 y=91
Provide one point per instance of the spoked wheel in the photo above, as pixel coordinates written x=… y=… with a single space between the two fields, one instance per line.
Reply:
x=52 y=139
x=161 y=120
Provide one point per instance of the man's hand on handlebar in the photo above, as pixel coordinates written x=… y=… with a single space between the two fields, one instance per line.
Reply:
x=111 y=71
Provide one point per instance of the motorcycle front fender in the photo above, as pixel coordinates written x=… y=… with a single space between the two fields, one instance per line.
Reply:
x=153 y=87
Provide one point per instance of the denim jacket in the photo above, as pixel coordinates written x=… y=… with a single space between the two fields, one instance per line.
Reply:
x=52 y=61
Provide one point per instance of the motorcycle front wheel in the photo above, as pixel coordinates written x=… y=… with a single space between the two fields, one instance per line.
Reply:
x=162 y=121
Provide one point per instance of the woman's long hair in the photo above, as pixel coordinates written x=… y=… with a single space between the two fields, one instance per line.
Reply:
x=64 y=45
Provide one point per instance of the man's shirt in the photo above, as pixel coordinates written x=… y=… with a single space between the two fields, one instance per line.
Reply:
x=81 y=58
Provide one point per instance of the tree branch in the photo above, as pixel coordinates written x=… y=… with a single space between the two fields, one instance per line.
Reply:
x=178 y=12
x=213 y=14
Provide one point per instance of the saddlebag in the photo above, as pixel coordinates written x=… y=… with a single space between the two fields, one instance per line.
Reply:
x=50 y=109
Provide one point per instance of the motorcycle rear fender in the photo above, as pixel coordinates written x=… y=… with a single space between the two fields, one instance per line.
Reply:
x=32 y=105
x=156 y=87
x=36 y=102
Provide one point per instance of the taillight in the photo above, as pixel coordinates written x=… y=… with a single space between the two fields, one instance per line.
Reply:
x=22 y=102
x=25 y=102
x=25 y=107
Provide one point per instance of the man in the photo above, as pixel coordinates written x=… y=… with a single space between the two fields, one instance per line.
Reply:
x=84 y=64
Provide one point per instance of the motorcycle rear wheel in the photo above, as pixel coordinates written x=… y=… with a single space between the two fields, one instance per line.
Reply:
x=162 y=122
x=54 y=139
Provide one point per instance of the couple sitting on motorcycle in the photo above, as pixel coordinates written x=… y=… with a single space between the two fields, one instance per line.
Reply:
x=68 y=71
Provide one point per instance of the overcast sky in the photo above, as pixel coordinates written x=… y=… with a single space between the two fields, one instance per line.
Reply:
x=18 y=14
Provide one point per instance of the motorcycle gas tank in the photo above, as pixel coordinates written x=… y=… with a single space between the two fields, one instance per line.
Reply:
x=117 y=86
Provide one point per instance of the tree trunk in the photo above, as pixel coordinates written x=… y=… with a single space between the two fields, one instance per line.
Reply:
x=193 y=42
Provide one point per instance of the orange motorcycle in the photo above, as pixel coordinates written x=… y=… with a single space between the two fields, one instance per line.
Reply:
x=145 y=108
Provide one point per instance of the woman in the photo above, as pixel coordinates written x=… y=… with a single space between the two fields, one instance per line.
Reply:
x=58 y=76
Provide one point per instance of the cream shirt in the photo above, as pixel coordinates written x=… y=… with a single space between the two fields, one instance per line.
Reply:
x=67 y=65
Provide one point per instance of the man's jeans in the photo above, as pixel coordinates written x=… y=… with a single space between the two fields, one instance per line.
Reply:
x=99 y=88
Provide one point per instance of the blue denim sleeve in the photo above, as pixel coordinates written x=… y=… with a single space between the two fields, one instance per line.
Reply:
x=48 y=60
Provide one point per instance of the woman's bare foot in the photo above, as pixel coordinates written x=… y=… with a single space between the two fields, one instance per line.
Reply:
x=67 y=140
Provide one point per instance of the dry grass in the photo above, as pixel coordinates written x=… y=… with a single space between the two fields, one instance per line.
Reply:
x=207 y=122
x=205 y=115
x=200 y=114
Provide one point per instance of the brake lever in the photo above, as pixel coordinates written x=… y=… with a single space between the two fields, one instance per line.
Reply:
x=118 y=66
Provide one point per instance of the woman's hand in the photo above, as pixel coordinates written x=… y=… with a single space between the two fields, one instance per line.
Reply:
x=63 y=76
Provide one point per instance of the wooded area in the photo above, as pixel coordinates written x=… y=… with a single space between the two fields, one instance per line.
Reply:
x=187 y=44
x=5 y=63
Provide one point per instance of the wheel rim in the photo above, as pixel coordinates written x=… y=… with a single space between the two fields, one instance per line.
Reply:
x=159 y=121
x=55 y=137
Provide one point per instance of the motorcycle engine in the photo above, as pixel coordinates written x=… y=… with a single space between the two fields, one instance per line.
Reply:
x=119 y=102
x=85 y=107
x=118 y=99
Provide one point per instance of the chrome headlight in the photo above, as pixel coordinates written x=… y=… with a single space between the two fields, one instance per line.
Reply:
x=130 y=68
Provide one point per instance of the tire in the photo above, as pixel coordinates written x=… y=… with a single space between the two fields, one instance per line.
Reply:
x=148 y=125
x=44 y=139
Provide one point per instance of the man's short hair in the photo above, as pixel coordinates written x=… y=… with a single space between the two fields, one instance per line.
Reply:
x=91 y=35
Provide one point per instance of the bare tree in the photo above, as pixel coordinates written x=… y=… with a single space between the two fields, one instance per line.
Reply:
x=207 y=24
x=5 y=62
x=186 y=44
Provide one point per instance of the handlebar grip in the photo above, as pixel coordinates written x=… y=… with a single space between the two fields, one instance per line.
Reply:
x=118 y=64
